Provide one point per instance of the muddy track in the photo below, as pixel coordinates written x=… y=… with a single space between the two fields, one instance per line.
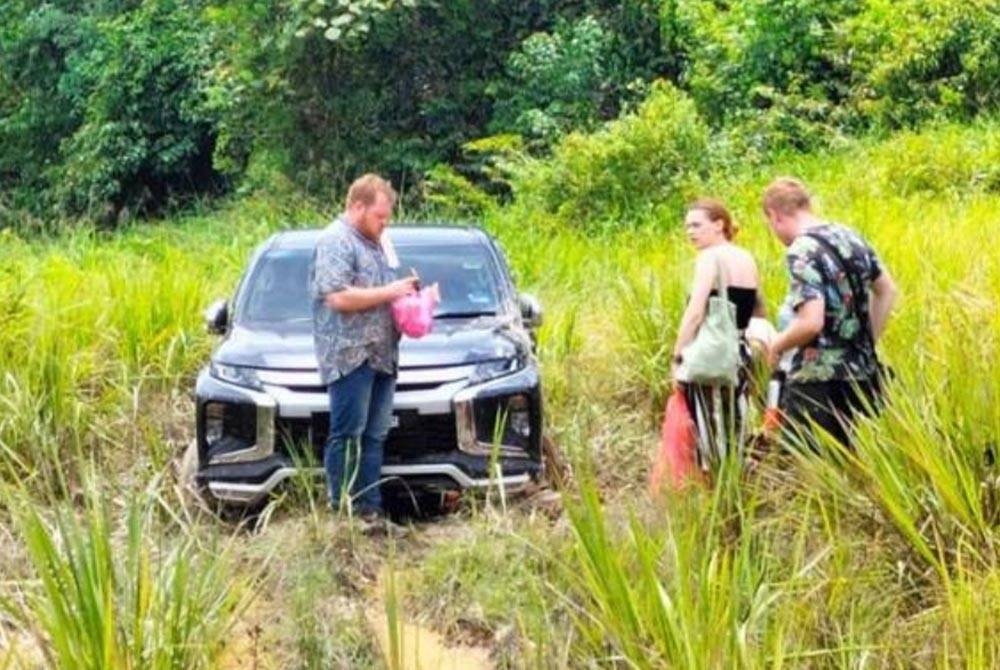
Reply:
x=408 y=645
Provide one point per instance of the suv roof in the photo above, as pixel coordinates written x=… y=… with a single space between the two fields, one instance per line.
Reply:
x=404 y=234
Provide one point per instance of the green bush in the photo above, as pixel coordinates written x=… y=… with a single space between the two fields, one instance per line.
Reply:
x=338 y=89
x=922 y=60
x=40 y=105
x=800 y=74
x=557 y=82
x=146 y=138
x=634 y=170
x=333 y=89
x=109 y=115
x=122 y=107
x=949 y=160
x=477 y=182
x=446 y=190
x=771 y=75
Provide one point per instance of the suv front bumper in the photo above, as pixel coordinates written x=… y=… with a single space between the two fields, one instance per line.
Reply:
x=461 y=452
x=247 y=484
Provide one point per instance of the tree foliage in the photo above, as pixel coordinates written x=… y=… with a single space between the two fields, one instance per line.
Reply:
x=103 y=110
x=644 y=161
x=928 y=59
x=113 y=107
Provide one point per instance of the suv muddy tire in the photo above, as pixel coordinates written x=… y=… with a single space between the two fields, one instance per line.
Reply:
x=197 y=500
x=558 y=472
x=186 y=467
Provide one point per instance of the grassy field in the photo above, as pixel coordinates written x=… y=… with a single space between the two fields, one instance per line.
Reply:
x=884 y=558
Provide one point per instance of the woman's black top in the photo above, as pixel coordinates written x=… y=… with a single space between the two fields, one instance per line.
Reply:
x=745 y=300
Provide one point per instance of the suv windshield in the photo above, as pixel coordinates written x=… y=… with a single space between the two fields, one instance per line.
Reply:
x=278 y=288
x=465 y=274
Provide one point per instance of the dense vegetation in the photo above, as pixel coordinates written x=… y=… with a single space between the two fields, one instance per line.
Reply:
x=112 y=108
x=574 y=132
x=888 y=559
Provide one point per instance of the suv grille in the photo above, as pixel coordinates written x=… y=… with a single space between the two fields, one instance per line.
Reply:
x=418 y=434
x=415 y=436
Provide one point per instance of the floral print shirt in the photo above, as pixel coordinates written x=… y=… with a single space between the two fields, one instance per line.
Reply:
x=344 y=340
x=842 y=351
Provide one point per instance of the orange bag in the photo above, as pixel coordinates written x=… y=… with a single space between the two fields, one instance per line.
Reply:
x=675 y=460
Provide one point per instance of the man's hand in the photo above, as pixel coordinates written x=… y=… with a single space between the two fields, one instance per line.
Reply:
x=401 y=287
x=806 y=326
x=773 y=355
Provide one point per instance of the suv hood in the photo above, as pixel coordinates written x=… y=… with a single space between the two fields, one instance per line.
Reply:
x=452 y=342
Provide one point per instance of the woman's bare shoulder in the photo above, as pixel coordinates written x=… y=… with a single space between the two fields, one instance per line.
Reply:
x=711 y=257
x=740 y=264
x=741 y=255
x=726 y=253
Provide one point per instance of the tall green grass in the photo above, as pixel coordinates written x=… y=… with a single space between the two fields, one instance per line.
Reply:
x=117 y=588
x=98 y=329
x=883 y=557
x=886 y=557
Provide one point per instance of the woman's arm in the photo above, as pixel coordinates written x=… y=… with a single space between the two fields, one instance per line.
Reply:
x=704 y=278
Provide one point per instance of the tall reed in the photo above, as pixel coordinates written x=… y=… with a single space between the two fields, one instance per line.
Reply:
x=114 y=586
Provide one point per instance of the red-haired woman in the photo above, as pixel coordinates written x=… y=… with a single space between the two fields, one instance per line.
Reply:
x=718 y=411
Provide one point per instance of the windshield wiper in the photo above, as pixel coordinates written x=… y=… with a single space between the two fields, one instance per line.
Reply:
x=462 y=315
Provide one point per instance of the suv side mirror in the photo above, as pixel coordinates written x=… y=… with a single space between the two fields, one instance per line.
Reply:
x=217 y=317
x=531 y=310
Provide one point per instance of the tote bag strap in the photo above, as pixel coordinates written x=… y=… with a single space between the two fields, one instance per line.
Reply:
x=720 y=285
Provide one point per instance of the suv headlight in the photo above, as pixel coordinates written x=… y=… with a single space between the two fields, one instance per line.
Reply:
x=235 y=374
x=488 y=370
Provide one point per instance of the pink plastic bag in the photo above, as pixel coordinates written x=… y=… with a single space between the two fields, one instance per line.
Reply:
x=414 y=313
x=675 y=459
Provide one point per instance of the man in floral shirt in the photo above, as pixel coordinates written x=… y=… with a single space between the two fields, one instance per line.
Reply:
x=840 y=296
x=357 y=345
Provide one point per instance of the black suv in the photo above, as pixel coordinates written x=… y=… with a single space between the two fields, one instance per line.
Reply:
x=468 y=406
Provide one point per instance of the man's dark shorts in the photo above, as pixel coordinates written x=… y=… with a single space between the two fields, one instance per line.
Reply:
x=832 y=405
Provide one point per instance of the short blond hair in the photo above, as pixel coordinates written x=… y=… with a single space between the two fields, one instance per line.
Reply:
x=787 y=195
x=366 y=188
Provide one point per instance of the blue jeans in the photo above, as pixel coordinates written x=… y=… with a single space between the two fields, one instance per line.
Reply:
x=360 y=418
